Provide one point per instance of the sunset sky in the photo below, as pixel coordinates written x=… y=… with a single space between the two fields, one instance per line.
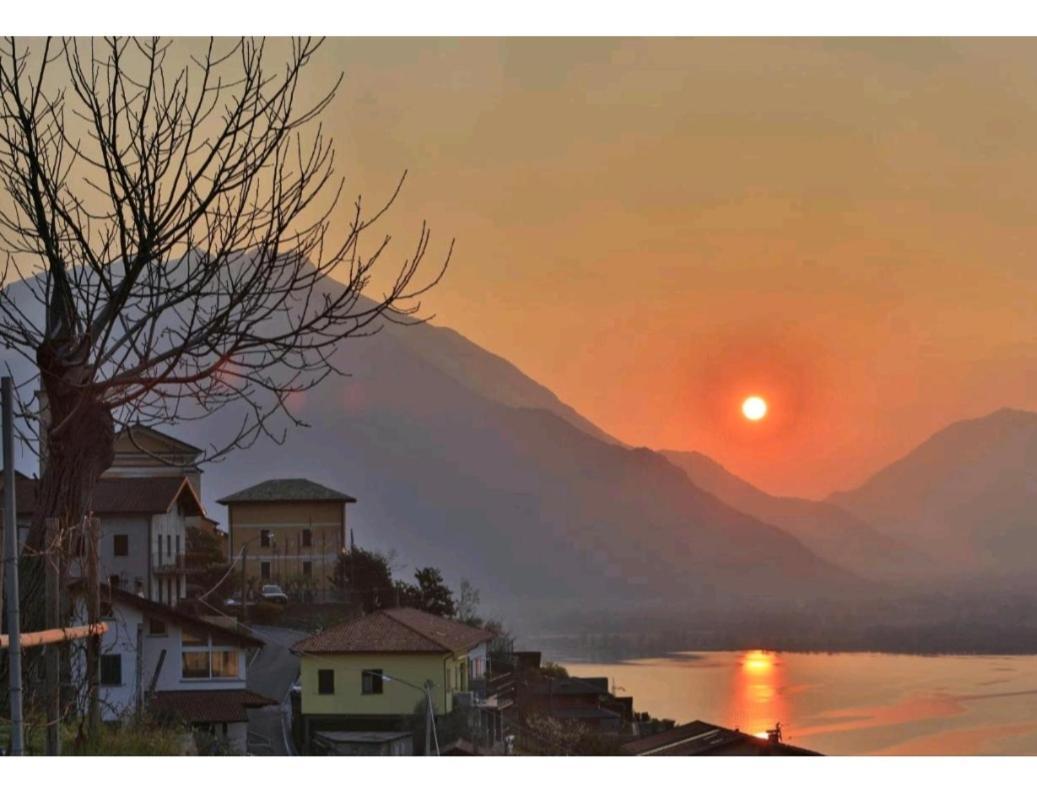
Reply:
x=656 y=229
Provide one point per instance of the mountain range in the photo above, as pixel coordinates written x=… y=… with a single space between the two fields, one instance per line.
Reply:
x=832 y=532
x=966 y=496
x=461 y=461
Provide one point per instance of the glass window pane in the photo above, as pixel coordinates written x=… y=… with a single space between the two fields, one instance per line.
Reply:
x=196 y=664
x=225 y=663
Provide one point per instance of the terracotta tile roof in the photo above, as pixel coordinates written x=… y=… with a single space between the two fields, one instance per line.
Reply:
x=402 y=630
x=122 y=495
x=702 y=738
x=202 y=706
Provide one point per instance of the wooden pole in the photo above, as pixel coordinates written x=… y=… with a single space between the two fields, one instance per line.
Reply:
x=52 y=562
x=93 y=643
x=63 y=635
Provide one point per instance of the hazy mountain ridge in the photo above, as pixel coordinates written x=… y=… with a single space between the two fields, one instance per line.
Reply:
x=490 y=375
x=967 y=495
x=526 y=504
x=832 y=533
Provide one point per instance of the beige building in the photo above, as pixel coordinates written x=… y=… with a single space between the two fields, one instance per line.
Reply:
x=292 y=532
x=143 y=452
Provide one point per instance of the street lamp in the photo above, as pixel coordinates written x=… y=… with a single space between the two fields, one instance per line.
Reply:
x=430 y=714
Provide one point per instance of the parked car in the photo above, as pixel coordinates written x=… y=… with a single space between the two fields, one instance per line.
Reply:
x=274 y=594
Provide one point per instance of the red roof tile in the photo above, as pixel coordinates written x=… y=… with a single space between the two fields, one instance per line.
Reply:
x=401 y=630
x=203 y=706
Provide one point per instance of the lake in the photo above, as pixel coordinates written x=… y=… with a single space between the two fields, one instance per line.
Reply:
x=844 y=703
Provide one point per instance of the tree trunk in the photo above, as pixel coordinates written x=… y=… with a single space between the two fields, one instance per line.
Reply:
x=77 y=444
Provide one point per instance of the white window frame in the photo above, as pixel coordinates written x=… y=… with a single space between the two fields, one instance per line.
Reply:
x=208 y=648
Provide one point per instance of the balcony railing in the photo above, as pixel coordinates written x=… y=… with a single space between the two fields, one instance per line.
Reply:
x=171 y=564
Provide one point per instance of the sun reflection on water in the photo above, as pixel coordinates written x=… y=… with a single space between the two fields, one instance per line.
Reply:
x=757 y=702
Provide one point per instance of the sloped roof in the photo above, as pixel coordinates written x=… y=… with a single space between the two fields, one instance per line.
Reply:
x=122 y=495
x=203 y=706
x=153 y=609
x=403 y=631
x=278 y=490
x=131 y=433
x=702 y=738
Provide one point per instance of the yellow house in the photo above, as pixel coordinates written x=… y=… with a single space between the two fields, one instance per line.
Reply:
x=370 y=673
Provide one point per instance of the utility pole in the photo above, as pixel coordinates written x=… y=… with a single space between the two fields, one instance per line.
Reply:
x=14 y=650
x=93 y=643
x=52 y=563
x=428 y=718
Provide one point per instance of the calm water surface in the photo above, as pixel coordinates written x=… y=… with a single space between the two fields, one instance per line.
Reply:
x=845 y=703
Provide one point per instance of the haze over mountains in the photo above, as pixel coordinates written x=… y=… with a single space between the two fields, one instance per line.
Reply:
x=967 y=496
x=831 y=532
x=452 y=467
x=461 y=461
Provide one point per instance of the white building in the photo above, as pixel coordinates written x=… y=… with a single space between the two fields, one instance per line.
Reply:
x=144 y=522
x=191 y=670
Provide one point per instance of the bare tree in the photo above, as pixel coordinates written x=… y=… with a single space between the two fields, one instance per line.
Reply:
x=177 y=224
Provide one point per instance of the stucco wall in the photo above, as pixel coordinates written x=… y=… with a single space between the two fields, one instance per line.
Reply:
x=326 y=521
x=134 y=566
x=121 y=638
x=396 y=698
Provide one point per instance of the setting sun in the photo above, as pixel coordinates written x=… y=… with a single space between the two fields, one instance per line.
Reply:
x=754 y=408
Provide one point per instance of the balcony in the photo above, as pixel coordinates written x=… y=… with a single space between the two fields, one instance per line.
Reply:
x=170 y=565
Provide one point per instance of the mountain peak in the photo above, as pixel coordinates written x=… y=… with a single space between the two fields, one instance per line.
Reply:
x=965 y=495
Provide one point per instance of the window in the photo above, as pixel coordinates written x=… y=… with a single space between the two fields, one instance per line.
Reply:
x=121 y=545
x=325 y=682
x=169 y=546
x=264 y=571
x=307 y=538
x=265 y=538
x=177 y=544
x=160 y=549
x=225 y=664
x=111 y=670
x=307 y=568
x=371 y=681
x=156 y=627
x=201 y=660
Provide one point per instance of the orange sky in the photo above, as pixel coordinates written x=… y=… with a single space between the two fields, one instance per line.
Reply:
x=656 y=228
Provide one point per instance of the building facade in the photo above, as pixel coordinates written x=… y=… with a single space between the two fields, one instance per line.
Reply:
x=143 y=540
x=371 y=673
x=174 y=665
x=290 y=532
